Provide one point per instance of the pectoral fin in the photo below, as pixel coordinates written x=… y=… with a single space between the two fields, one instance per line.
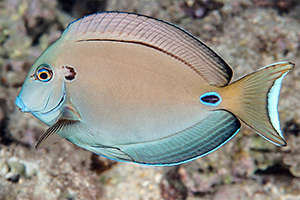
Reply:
x=51 y=135
x=79 y=134
x=70 y=118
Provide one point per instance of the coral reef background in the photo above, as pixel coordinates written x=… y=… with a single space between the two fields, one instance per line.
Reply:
x=247 y=33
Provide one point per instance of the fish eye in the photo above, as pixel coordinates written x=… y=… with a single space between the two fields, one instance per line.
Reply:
x=44 y=73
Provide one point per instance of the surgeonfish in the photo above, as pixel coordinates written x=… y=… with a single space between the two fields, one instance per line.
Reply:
x=139 y=89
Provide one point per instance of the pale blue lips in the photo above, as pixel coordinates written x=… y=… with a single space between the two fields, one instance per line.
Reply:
x=23 y=107
x=21 y=104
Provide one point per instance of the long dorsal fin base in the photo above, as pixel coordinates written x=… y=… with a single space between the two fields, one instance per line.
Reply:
x=169 y=38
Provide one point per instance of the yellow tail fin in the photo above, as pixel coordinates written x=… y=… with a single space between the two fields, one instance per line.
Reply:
x=254 y=100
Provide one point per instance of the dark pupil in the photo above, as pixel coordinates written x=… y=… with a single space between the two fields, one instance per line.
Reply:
x=43 y=75
x=210 y=99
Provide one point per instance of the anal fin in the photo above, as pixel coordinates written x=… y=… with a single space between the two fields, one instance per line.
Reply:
x=199 y=140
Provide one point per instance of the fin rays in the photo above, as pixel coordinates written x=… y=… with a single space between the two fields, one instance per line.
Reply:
x=257 y=99
x=203 y=138
x=51 y=136
x=119 y=26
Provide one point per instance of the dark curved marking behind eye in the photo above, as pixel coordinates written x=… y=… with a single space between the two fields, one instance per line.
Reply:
x=71 y=73
x=211 y=99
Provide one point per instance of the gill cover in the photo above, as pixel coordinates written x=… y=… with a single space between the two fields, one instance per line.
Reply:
x=43 y=90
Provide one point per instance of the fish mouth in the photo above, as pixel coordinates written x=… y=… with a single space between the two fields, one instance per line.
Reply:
x=55 y=108
x=21 y=105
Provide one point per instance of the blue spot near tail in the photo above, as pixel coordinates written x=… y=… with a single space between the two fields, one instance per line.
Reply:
x=210 y=99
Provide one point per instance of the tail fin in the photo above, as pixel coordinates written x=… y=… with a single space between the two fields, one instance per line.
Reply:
x=254 y=100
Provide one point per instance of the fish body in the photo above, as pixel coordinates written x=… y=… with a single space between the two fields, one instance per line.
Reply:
x=135 y=88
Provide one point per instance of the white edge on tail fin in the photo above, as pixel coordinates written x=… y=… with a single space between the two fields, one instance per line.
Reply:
x=273 y=98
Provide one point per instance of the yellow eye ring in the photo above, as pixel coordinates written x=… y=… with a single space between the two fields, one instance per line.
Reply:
x=44 y=73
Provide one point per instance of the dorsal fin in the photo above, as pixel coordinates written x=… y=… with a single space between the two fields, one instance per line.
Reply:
x=155 y=33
